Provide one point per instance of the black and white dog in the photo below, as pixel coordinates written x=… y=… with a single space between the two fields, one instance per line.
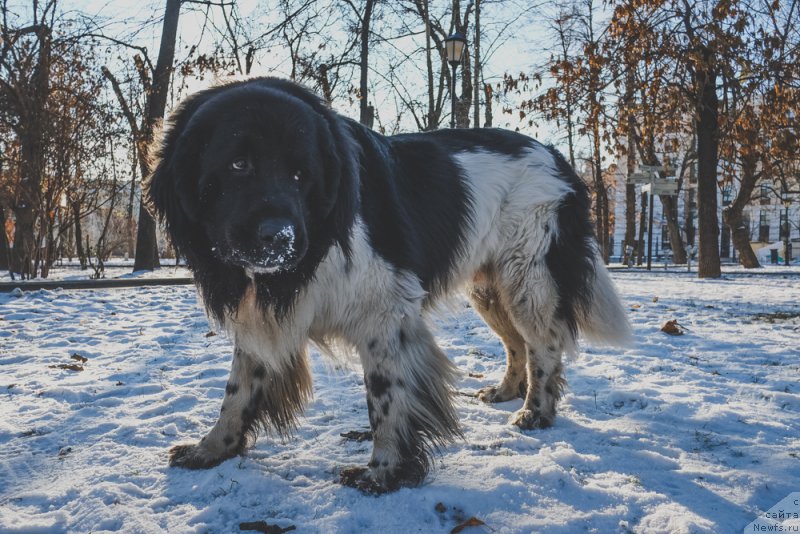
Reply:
x=301 y=225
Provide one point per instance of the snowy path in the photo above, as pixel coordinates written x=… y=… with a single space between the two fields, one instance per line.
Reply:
x=694 y=433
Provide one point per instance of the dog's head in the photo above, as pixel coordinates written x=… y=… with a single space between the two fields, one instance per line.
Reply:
x=250 y=175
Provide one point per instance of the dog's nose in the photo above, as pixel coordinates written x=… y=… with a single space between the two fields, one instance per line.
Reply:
x=276 y=233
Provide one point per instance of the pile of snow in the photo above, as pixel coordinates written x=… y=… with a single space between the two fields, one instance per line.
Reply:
x=691 y=433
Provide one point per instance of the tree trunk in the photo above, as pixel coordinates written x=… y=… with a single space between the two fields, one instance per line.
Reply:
x=4 y=248
x=69 y=243
x=31 y=141
x=601 y=215
x=689 y=213
x=49 y=250
x=24 y=240
x=630 y=161
x=367 y=112
x=601 y=196
x=630 y=222
x=707 y=161
x=642 y=226
x=79 y=250
x=732 y=215
x=130 y=223
x=476 y=119
x=432 y=120
x=146 y=242
x=593 y=123
x=487 y=106
x=670 y=206
x=463 y=102
x=740 y=236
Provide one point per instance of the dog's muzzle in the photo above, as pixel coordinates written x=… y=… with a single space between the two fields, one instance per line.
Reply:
x=272 y=248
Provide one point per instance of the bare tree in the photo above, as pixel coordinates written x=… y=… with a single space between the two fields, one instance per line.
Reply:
x=580 y=76
x=155 y=82
x=25 y=56
x=761 y=96
x=146 y=243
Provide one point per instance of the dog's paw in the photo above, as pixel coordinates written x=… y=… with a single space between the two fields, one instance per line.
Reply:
x=530 y=419
x=194 y=457
x=361 y=479
x=492 y=394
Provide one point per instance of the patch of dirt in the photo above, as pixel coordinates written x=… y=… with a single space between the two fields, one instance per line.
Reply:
x=358 y=435
x=776 y=316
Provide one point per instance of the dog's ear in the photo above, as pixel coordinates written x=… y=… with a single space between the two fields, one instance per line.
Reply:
x=171 y=191
x=339 y=161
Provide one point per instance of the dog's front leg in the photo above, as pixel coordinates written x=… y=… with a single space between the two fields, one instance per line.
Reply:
x=409 y=386
x=256 y=396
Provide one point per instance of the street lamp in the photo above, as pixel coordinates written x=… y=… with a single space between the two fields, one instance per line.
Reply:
x=454 y=51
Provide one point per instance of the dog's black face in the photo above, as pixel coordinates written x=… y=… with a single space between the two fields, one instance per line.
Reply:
x=255 y=180
x=256 y=185
x=259 y=179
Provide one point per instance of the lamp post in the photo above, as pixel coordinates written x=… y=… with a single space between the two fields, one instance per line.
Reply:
x=454 y=51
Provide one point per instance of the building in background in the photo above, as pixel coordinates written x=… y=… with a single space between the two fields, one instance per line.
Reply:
x=767 y=218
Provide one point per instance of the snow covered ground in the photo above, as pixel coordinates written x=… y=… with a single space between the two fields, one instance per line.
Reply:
x=691 y=433
x=116 y=268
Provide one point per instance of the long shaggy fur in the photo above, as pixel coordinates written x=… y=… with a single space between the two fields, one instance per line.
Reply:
x=301 y=225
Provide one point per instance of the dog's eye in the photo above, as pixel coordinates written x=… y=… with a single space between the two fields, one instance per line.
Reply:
x=239 y=165
x=297 y=176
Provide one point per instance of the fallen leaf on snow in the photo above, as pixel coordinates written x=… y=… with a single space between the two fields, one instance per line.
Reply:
x=672 y=328
x=471 y=522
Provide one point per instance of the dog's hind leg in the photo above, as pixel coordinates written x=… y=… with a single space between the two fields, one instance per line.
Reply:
x=486 y=301
x=545 y=381
x=409 y=398
x=532 y=301
x=256 y=396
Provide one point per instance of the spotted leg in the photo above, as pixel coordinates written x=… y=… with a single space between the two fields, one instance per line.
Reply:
x=545 y=384
x=256 y=396
x=408 y=381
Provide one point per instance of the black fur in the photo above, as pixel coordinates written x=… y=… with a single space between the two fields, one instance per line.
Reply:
x=414 y=203
x=569 y=258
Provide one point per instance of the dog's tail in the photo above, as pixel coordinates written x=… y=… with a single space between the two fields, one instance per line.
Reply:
x=603 y=319
x=588 y=300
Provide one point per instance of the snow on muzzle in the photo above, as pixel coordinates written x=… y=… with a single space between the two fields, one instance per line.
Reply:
x=272 y=248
